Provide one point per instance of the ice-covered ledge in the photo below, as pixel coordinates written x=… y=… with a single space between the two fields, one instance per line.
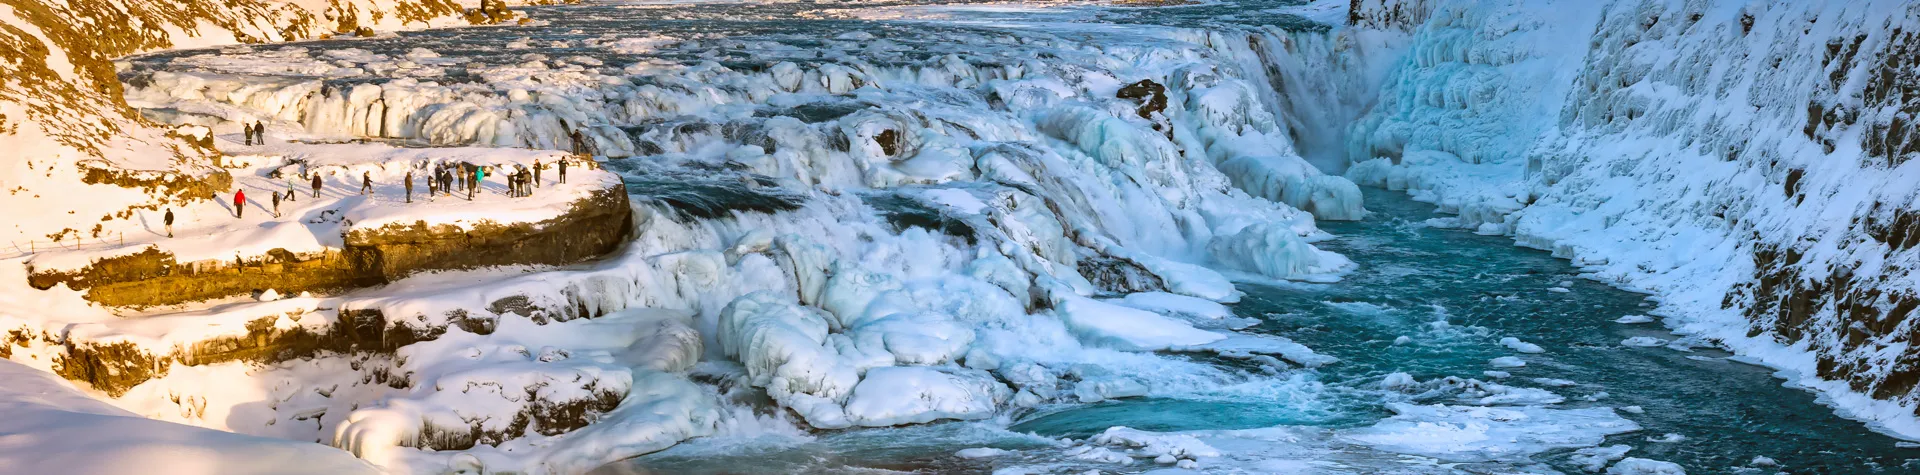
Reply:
x=344 y=239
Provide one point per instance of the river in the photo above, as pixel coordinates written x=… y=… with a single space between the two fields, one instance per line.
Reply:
x=1420 y=321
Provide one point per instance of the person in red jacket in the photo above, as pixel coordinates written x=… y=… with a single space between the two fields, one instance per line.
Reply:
x=239 y=203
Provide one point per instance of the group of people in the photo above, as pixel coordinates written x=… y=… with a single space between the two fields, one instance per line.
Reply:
x=444 y=175
x=256 y=133
x=520 y=182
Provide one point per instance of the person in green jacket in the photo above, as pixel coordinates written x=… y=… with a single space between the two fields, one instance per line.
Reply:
x=479 y=176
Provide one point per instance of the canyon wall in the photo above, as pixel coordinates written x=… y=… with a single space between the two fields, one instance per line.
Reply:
x=1746 y=162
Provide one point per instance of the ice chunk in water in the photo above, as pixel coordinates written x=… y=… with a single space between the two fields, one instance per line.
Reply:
x=979 y=453
x=1594 y=459
x=1630 y=319
x=1479 y=434
x=1640 y=466
x=1521 y=346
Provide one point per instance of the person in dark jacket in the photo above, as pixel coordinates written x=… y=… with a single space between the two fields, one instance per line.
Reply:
x=563 y=171
x=169 y=220
x=366 y=183
x=239 y=203
x=536 y=173
x=247 y=131
x=259 y=133
x=409 y=184
x=316 y=185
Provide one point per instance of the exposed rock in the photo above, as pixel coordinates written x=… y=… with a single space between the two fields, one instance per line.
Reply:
x=1152 y=97
x=538 y=415
x=1119 y=276
x=889 y=141
x=593 y=227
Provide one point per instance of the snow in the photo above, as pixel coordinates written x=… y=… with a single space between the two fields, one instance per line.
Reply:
x=1166 y=303
x=1619 y=135
x=207 y=231
x=1103 y=324
x=912 y=395
x=1012 y=139
x=1644 y=341
x=54 y=428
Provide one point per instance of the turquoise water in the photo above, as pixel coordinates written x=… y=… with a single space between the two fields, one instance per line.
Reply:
x=1411 y=276
x=1486 y=289
x=1411 y=279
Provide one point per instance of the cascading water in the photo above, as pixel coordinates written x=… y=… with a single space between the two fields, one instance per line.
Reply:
x=1023 y=219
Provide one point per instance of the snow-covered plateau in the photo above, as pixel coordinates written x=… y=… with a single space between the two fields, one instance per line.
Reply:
x=761 y=226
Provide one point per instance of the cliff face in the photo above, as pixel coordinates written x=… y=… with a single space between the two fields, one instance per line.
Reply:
x=593 y=227
x=1746 y=161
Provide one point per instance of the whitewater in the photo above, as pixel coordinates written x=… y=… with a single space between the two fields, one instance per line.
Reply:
x=997 y=237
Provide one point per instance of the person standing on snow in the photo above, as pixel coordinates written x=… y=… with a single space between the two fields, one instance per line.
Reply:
x=536 y=173
x=479 y=173
x=290 y=181
x=169 y=220
x=409 y=184
x=563 y=171
x=259 y=133
x=239 y=204
x=316 y=185
x=276 y=204
x=247 y=131
x=366 y=183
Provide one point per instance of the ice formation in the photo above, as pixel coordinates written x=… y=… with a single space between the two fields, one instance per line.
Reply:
x=876 y=239
x=1622 y=135
x=906 y=225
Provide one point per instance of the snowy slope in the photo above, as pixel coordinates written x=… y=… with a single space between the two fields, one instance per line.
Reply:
x=82 y=166
x=1745 y=161
x=51 y=428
